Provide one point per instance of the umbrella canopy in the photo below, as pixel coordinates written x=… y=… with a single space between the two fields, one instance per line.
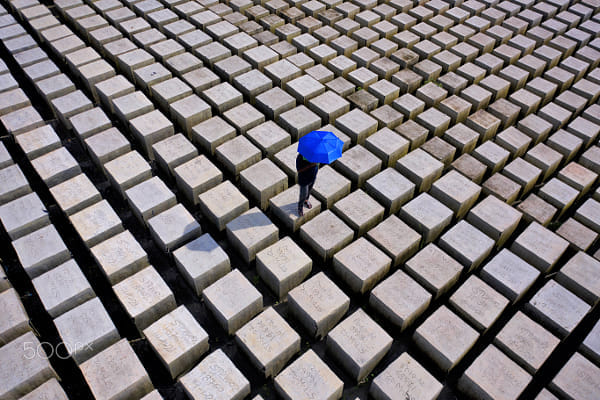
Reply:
x=320 y=147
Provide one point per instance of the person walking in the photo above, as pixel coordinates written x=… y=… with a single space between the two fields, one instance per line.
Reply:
x=307 y=175
x=314 y=148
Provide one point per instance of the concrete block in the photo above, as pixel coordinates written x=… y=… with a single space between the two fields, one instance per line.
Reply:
x=178 y=340
x=16 y=321
x=580 y=236
x=493 y=374
x=526 y=342
x=251 y=232
x=495 y=218
x=400 y=299
x=466 y=244
x=222 y=204
x=577 y=379
x=50 y=389
x=34 y=370
x=127 y=171
x=318 y=304
x=226 y=381
x=96 y=223
x=233 y=300
x=579 y=276
x=151 y=128
x=120 y=257
x=237 y=154
x=38 y=141
x=63 y=288
x=358 y=353
x=434 y=269
x=56 y=166
x=557 y=308
x=283 y=266
x=117 y=372
x=326 y=234
x=359 y=211
x=268 y=341
x=405 y=375
x=75 y=194
x=358 y=164
x=324 y=384
x=202 y=262
x=40 y=251
x=131 y=105
x=86 y=330
x=173 y=151
x=21 y=120
x=23 y=216
x=145 y=297
x=150 y=198
x=173 y=227
x=197 y=176
x=427 y=215
x=445 y=338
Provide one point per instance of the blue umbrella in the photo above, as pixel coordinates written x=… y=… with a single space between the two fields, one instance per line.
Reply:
x=320 y=147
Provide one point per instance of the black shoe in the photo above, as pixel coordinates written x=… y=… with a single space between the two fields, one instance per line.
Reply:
x=300 y=211
x=307 y=204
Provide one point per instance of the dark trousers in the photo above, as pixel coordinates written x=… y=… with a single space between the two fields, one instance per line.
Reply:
x=304 y=194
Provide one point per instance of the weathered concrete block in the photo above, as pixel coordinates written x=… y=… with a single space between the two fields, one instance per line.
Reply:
x=56 y=167
x=145 y=297
x=400 y=299
x=493 y=374
x=173 y=151
x=358 y=164
x=320 y=383
x=326 y=234
x=579 y=275
x=116 y=372
x=41 y=250
x=361 y=265
x=509 y=275
x=268 y=341
x=526 y=342
x=16 y=321
x=237 y=154
x=426 y=215
x=434 y=269
x=63 y=288
x=150 y=198
x=120 y=257
x=283 y=266
x=539 y=246
x=96 y=223
x=330 y=186
x=456 y=192
x=173 y=227
x=225 y=380
x=151 y=128
x=38 y=142
x=358 y=343
x=285 y=207
x=178 y=340
x=495 y=218
x=263 y=181
x=222 y=204
x=577 y=379
x=201 y=262
x=86 y=330
x=318 y=304
x=466 y=244
x=391 y=189
x=233 y=300
x=405 y=376
x=557 y=308
x=34 y=370
x=445 y=338
x=23 y=216
x=251 y=232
